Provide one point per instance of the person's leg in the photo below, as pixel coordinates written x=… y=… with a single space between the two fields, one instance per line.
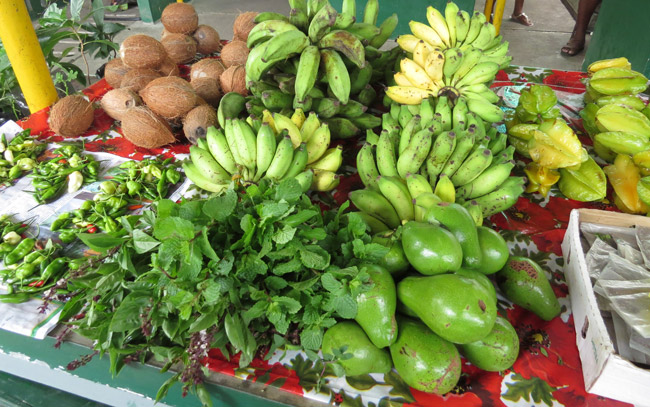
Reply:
x=586 y=9
x=518 y=14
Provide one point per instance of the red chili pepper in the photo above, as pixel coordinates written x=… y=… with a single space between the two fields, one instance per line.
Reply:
x=92 y=228
x=63 y=161
x=38 y=283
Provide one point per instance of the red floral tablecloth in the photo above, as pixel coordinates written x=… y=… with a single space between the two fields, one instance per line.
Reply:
x=548 y=370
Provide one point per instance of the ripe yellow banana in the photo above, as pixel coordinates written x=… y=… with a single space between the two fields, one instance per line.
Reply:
x=408 y=95
x=437 y=22
x=416 y=74
x=407 y=42
x=426 y=33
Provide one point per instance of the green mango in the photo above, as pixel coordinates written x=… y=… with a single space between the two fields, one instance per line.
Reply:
x=461 y=224
x=587 y=183
x=424 y=360
x=431 y=249
x=523 y=282
x=376 y=308
x=481 y=279
x=366 y=357
x=395 y=260
x=460 y=309
x=497 y=351
x=494 y=250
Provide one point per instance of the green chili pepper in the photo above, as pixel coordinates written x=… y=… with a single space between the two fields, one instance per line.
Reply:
x=93 y=167
x=109 y=225
x=51 y=193
x=20 y=251
x=128 y=164
x=68 y=236
x=60 y=222
x=74 y=264
x=133 y=187
x=86 y=206
x=33 y=256
x=172 y=175
x=25 y=270
x=6 y=248
x=108 y=187
x=15 y=172
x=54 y=268
x=133 y=172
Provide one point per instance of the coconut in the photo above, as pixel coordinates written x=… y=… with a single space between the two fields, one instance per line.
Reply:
x=234 y=53
x=144 y=128
x=170 y=97
x=234 y=80
x=137 y=79
x=180 y=18
x=208 y=89
x=117 y=102
x=71 y=116
x=207 y=68
x=180 y=48
x=169 y=68
x=197 y=121
x=114 y=71
x=208 y=39
x=142 y=51
x=243 y=24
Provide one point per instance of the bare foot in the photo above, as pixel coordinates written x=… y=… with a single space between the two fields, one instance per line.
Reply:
x=522 y=19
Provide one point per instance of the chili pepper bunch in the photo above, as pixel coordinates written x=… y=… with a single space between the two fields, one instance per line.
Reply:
x=70 y=168
x=18 y=155
x=149 y=179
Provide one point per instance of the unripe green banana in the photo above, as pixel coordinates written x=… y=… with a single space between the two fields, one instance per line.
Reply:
x=417 y=184
x=352 y=109
x=374 y=224
x=366 y=121
x=346 y=44
x=325 y=180
x=201 y=181
x=503 y=197
x=422 y=203
x=367 y=168
x=462 y=26
x=207 y=165
x=265 y=30
x=219 y=149
x=459 y=114
x=386 y=29
x=370 y=12
x=327 y=107
x=485 y=110
x=453 y=60
x=472 y=167
x=337 y=74
x=498 y=143
x=360 y=78
x=266 y=145
x=363 y=31
x=330 y=161
x=281 y=160
x=464 y=145
x=314 y=6
x=307 y=71
x=305 y=180
x=343 y=21
x=386 y=157
x=412 y=127
x=412 y=158
x=321 y=23
x=445 y=189
x=277 y=100
x=343 y=128
x=375 y=204
x=367 y=96
x=393 y=189
x=298 y=162
x=318 y=143
x=269 y=15
x=299 y=18
x=444 y=109
x=475 y=23
x=475 y=211
x=441 y=150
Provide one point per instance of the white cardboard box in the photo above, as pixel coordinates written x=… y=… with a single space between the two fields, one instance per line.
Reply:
x=605 y=373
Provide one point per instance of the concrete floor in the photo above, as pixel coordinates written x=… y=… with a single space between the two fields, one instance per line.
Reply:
x=537 y=46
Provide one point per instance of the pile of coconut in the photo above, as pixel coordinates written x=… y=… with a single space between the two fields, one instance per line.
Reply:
x=149 y=97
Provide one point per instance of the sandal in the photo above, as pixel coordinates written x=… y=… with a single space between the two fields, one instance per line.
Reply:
x=522 y=19
x=573 y=47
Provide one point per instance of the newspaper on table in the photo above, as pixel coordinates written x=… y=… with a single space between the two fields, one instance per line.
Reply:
x=16 y=200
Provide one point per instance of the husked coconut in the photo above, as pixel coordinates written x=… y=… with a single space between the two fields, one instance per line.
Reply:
x=142 y=51
x=171 y=97
x=234 y=80
x=117 y=102
x=146 y=129
x=114 y=71
x=180 y=48
x=137 y=79
x=71 y=116
x=207 y=68
x=169 y=68
x=197 y=121
x=180 y=18
x=234 y=53
x=207 y=89
x=208 y=39
x=243 y=24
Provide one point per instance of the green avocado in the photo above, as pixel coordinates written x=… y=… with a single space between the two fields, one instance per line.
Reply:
x=431 y=249
x=395 y=260
x=461 y=224
x=366 y=357
x=423 y=359
x=481 y=278
x=494 y=250
x=523 y=282
x=460 y=309
x=497 y=351
x=376 y=308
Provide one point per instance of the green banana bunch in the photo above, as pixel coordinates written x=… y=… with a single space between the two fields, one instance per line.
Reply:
x=320 y=53
x=433 y=148
x=455 y=57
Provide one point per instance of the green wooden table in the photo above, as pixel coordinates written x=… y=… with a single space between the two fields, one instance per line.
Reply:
x=135 y=386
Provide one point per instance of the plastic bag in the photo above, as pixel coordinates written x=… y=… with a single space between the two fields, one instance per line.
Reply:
x=597 y=258
x=643 y=241
x=631 y=301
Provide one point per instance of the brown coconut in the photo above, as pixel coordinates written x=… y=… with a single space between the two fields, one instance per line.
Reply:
x=169 y=68
x=234 y=80
x=234 y=53
x=208 y=39
x=117 y=102
x=137 y=79
x=144 y=128
x=71 y=116
x=180 y=48
x=197 y=121
x=142 y=51
x=243 y=24
x=207 y=89
x=170 y=97
x=114 y=71
x=180 y=18
x=207 y=68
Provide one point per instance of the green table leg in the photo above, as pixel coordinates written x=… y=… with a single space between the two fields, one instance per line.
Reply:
x=150 y=10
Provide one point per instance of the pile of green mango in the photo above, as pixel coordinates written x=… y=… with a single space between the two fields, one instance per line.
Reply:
x=433 y=300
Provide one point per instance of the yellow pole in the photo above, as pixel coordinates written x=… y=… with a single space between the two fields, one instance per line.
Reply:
x=25 y=55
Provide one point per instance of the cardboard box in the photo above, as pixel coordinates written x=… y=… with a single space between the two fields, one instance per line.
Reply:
x=605 y=373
